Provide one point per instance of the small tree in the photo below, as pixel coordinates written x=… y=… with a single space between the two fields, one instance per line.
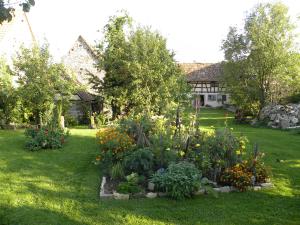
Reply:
x=8 y=98
x=261 y=62
x=141 y=73
x=41 y=82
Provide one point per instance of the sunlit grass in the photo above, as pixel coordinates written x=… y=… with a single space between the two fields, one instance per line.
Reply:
x=62 y=186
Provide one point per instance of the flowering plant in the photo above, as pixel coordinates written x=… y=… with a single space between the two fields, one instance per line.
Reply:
x=238 y=176
x=45 y=138
x=112 y=139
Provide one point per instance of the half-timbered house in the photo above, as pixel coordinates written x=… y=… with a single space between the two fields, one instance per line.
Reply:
x=205 y=79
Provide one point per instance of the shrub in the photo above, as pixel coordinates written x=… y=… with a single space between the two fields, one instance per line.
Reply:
x=256 y=165
x=140 y=161
x=114 y=140
x=180 y=180
x=215 y=151
x=238 y=176
x=71 y=121
x=44 y=138
x=130 y=186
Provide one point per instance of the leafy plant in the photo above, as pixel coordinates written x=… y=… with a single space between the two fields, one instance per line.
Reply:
x=117 y=171
x=114 y=140
x=130 y=186
x=238 y=176
x=140 y=161
x=180 y=180
x=214 y=151
x=44 y=138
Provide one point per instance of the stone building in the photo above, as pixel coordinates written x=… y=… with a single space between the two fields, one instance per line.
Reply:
x=81 y=60
x=205 y=81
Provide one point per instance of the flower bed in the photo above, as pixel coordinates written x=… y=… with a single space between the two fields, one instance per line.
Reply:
x=144 y=156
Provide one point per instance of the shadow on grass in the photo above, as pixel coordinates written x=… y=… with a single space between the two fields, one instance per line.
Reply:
x=67 y=181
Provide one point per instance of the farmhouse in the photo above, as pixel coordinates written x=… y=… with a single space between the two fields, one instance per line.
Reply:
x=205 y=79
x=81 y=59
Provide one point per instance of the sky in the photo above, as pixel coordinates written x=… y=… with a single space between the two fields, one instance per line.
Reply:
x=194 y=28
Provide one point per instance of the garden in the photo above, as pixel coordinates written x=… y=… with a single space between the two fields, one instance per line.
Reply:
x=171 y=156
x=152 y=158
x=62 y=186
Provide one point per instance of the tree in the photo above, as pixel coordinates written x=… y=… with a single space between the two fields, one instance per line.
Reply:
x=8 y=97
x=7 y=9
x=41 y=82
x=141 y=73
x=261 y=62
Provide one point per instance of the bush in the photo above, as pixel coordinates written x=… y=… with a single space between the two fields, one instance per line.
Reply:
x=70 y=120
x=44 y=138
x=246 y=173
x=114 y=140
x=140 y=161
x=180 y=180
x=130 y=186
x=238 y=176
x=215 y=151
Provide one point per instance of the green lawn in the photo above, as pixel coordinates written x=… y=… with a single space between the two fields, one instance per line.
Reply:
x=62 y=186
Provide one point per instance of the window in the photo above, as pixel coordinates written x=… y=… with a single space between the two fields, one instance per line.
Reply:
x=214 y=84
x=224 y=98
x=212 y=98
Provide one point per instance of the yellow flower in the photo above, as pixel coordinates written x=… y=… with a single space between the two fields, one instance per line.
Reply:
x=197 y=145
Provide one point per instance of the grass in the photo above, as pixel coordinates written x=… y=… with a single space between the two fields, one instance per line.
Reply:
x=62 y=186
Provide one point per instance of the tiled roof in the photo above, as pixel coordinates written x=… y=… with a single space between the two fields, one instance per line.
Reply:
x=202 y=71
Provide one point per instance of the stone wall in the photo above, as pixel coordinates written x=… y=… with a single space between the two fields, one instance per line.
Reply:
x=281 y=116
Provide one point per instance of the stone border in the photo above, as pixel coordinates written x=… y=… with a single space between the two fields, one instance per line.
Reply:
x=201 y=191
x=102 y=193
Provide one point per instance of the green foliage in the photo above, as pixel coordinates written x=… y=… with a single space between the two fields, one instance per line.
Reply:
x=44 y=138
x=140 y=161
x=41 y=82
x=212 y=152
x=180 y=180
x=9 y=103
x=141 y=73
x=7 y=9
x=70 y=121
x=238 y=176
x=130 y=186
x=117 y=171
x=262 y=63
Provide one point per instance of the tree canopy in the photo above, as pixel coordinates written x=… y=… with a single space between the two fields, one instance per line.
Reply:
x=141 y=73
x=262 y=63
x=41 y=81
x=7 y=8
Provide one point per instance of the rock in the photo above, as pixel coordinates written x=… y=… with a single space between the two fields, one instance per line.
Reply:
x=266 y=185
x=217 y=189
x=284 y=124
x=272 y=116
x=294 y=120
x=205 y=181
x=232 y=188
x=256 y=188
x=151 y=195
x=225 y=189
x=270 y=124
x=200 y=192
x=119 y=196
x=102 y=189
x=162 y=194
x=151 y=186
